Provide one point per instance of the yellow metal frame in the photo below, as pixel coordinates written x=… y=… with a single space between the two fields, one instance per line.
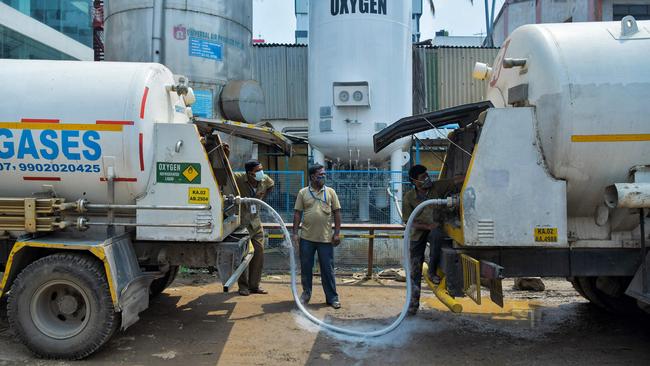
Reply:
x=471 y=277
x=95 y=250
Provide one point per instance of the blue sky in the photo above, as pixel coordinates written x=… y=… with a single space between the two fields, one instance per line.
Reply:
x=274 y=20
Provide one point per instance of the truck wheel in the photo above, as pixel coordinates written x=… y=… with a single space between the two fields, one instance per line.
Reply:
x=609 y=293
x=576 y=286
x=159 y=285
x=60 y=306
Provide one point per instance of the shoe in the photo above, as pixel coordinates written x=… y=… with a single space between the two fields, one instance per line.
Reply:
x=304 y=298
x=244 y=292
x=412 y=312
x=436 y=280
x=335 y=304
x=259 y=291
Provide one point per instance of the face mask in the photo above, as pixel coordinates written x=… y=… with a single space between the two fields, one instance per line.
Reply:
x=259 y=175
x=320 y=179
x=427 y=183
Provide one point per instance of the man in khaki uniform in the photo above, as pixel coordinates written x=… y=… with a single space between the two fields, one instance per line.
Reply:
x=316 y=205
x=253 y=183
x=426 y=228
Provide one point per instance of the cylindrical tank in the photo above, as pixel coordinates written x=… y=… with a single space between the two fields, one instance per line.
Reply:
x=209 y=41
x=64 y=123
x=590 y=86
x=360 y=75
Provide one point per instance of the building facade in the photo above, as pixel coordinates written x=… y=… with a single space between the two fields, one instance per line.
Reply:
x=52 y=29
x=516 y=13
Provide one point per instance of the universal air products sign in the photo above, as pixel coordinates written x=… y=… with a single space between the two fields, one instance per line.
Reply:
x=341 y=7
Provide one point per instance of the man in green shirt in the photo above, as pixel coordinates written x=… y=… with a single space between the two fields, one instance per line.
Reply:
x=253 y=183
x=316 y=205
x=426 y=227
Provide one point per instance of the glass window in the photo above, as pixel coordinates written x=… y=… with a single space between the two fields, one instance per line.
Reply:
x=16 y=46
x=639 y=12
x=69 y=17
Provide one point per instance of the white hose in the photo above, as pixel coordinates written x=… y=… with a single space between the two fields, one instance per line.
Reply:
x=406 y=264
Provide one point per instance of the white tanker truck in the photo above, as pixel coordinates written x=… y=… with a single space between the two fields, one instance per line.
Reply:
x=555 y=164
x=106 y=187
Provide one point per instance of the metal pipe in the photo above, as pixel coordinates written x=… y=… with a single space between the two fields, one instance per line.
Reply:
x=129 y=224
x=242 y=267
x=628 y=195
x=147 y=207
x=440 y=290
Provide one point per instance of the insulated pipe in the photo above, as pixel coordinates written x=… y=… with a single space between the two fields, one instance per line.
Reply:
x=440 y=290
x=406 y=263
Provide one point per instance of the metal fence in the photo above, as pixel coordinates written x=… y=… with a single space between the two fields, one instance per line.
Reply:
x=364 y=199
x=363 y=194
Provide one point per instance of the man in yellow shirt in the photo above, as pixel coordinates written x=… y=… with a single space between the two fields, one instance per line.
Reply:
x=316 y=205
x=253 y=183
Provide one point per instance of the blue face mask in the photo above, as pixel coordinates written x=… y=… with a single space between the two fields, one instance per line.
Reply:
x=259 y=175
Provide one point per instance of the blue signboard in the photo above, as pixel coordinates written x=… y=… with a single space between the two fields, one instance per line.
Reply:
x=203 y=105
x=206 y=49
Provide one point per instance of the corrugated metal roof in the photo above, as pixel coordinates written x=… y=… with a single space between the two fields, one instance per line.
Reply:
x=282 y=74
x=456 y=85
x=458 y=41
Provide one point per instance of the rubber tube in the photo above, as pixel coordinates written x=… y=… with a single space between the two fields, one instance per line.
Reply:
x=406 y=264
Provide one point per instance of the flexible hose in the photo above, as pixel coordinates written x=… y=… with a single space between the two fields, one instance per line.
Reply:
x=406 y=264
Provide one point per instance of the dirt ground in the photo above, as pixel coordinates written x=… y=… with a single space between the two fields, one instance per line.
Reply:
x=193 y=323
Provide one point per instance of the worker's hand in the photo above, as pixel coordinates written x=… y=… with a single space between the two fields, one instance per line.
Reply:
x=295 y=239
x=226 y=149
x=336 y=240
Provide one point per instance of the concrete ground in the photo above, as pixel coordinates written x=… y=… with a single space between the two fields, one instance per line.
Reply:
x=193 y=323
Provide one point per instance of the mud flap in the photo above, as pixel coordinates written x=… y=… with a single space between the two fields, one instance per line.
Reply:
x=233 y=258
x=636 y=288
x=492 y=273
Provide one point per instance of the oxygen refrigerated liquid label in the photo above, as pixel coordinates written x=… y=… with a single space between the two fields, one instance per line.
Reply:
x=178 y=173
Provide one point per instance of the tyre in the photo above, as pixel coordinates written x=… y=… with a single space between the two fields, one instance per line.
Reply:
x=60 y=306
x=608 y=293
x=160 y=284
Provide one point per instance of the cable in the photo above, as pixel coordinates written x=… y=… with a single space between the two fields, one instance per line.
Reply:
x=406 y=263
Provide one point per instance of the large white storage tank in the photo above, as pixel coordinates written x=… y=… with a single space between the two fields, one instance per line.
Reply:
x=360 y=81
x=360 y=76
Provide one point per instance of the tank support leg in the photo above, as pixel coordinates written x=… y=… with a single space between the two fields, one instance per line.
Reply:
x=644 y=262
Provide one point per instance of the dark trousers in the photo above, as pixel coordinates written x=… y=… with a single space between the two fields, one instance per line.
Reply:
x=251 y=278
x=326 y=262
x=436 y=239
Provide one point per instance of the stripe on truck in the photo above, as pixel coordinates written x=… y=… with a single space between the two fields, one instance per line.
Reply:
x=39 y=120
x=125 y=123
x=141 y=153
x=144 y=102
x=120 y=179
x=61 y=126
x=46 y=179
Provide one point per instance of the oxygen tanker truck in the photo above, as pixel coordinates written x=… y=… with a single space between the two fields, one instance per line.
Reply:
x=106 y=187
x=554 y=167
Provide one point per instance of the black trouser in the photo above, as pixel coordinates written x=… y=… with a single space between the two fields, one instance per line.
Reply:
x=436 y=239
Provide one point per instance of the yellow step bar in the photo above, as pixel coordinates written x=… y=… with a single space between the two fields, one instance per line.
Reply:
x=440 y=290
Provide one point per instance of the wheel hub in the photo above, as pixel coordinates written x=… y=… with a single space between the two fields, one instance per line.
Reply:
x=67 y=304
